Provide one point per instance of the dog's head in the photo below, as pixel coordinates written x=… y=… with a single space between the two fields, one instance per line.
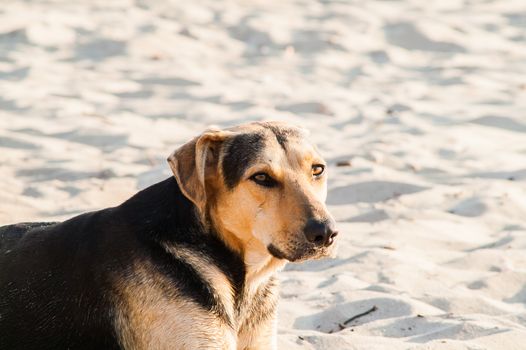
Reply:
x=262 y=186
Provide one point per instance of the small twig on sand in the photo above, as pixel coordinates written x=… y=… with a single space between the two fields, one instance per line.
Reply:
x=373 y=309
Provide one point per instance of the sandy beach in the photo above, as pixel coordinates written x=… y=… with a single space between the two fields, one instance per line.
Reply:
x=418 y=107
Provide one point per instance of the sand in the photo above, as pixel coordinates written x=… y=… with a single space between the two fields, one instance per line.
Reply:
x=418 y=106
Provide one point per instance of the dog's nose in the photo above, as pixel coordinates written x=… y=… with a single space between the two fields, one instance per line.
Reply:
x=321 y=233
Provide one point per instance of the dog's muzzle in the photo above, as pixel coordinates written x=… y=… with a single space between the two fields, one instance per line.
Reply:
x=318 y=242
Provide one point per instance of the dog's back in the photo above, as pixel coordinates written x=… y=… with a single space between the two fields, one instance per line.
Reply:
x=51 y=297
x=11 y=234
x=62 y=284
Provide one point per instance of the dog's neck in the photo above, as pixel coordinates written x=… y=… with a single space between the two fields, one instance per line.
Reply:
x=260 y=264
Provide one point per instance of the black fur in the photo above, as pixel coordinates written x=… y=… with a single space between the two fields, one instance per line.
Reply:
x=240 y=153
x=11 y=234
x=276 y=252
x=281 y=134
x=57 y=280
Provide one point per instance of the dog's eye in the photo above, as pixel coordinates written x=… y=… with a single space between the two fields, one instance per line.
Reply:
x=263 y=179
x=317 y=170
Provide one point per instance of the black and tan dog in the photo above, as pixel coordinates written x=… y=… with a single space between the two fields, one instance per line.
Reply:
x=187 y=263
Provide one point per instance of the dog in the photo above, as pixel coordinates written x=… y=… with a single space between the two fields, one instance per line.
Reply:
x=188 y=263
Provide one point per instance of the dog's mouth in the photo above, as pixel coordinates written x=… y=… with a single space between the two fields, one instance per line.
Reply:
x=301 y=252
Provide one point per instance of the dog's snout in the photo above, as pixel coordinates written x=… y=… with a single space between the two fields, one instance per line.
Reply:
x=321 y=233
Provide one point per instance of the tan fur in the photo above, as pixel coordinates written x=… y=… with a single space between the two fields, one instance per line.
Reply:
x=261 y=334
x=192 y=161
x=248 y=219
x=253 y=216
x=146 y=319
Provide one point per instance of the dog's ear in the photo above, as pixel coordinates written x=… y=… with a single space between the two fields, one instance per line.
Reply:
x=195 y=160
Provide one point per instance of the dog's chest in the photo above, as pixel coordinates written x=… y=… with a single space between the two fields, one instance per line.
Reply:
x=147 y=315
x=255 y=304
